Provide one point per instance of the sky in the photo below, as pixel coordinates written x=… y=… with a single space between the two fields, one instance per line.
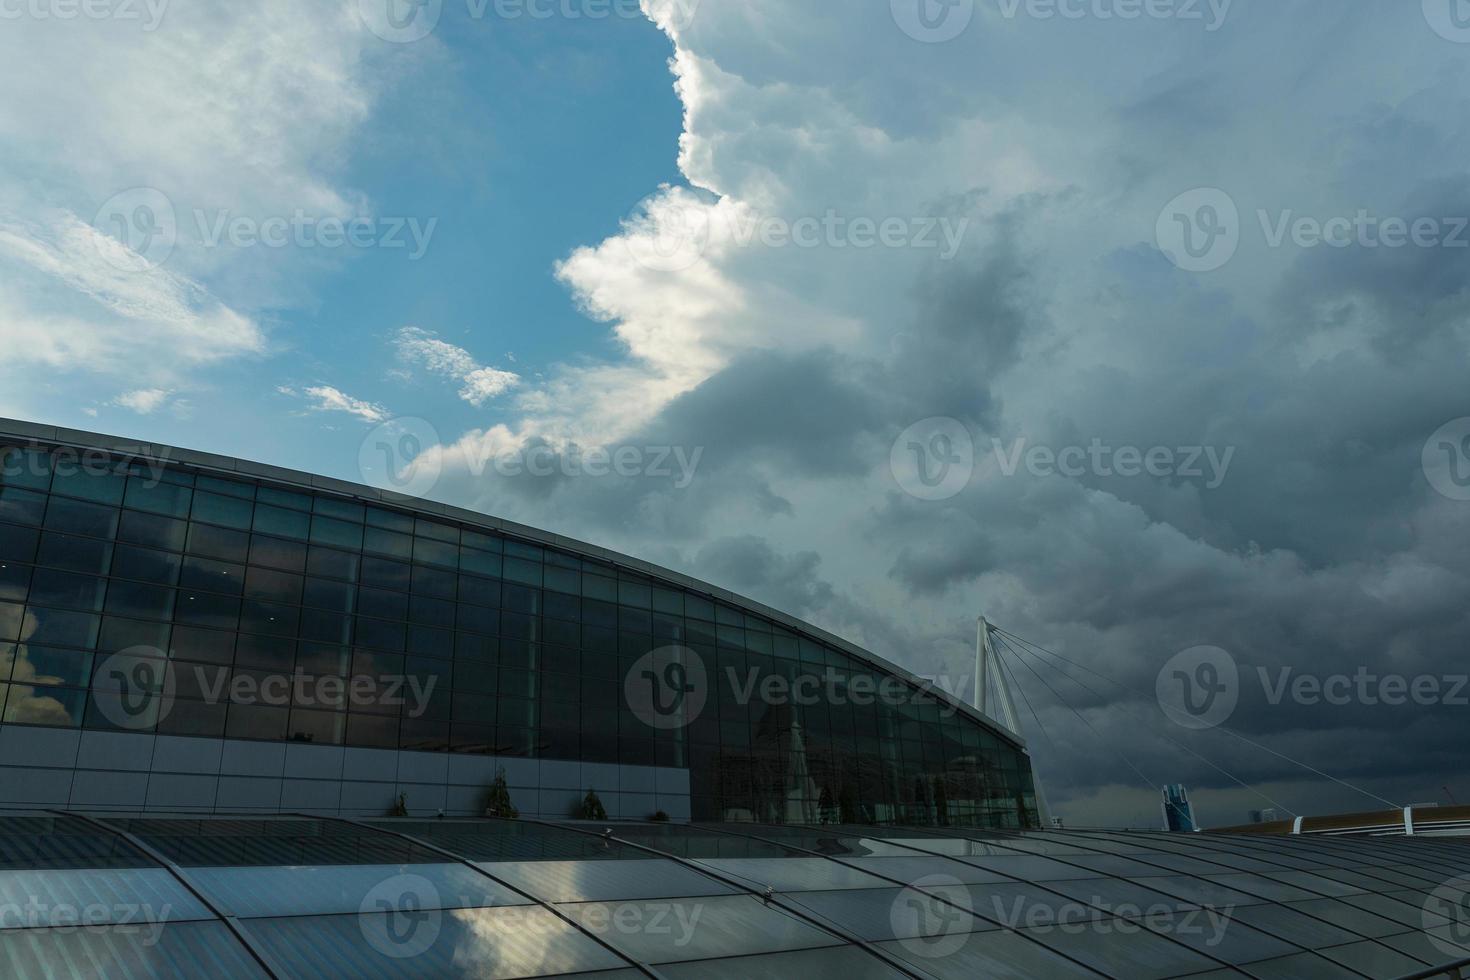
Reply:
x=1139 y=328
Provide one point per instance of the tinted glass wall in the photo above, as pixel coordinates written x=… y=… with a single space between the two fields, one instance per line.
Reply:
x=148 y=597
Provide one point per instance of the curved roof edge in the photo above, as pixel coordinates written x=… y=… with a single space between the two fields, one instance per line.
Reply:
x=82 y=439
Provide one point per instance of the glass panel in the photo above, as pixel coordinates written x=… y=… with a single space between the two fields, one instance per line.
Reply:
x=577 y=881
x=1006 y=955
x=256 y=892
x=143 y=897
x=1135 y=954
x=183 y=950
x=483 y=944
x=698 y=929
x=1374 y=960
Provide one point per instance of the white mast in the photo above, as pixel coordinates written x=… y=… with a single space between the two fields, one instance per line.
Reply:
x=993 y=700
x=992 y=693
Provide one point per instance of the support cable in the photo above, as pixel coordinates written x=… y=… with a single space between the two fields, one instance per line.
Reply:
x=1122 y=755
x=1228 y=731
x=1172 y=741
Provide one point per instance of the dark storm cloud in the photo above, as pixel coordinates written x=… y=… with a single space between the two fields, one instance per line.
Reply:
x=751 y=566
x=1322 y=370
x=799 y=413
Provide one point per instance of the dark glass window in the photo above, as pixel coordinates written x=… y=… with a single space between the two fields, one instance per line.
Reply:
x=213 y=576
x=281 y=522
x=382 y=604
x=269 y=617
x=43 y=665
x=479 y=619
x=338 y=534
x=128 y=634
x=381 y=574
x=431 y=612
x=256 y=721
x=472 y=646
x=268 y=652
x=479 y=562
x=60 y=628
x=435 y=552
x=277 y=553
x=317 y=727
x=326 y=627
x=372 y=731
x=391 y=520
x=432 y=581
x=25 y=468
x=379 y=634
x=481 y=591
x=439 y=532
x=75 y=554
x=323 y=594
x=15 y=581
x=230 y=488
x=517 y=570
x=160 y=498
x=18 y=543
x=430 y=642
x=218 y=542
x=329 y=563
x=218 y=509
x=203 y=609
x=283 y=498
x=205 y=646
x=193 y=718
x=272 y=586
x=67 y=590
x=160 y=567
x=52 y=706
x=21 y=506
x=344 y=510
x=138 y=601
x=153 y=531
x=382 y=542
x=98 y=487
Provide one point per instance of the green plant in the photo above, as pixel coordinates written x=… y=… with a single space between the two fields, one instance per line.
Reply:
x=591 y=808
x=399 y=807
x=497 y=798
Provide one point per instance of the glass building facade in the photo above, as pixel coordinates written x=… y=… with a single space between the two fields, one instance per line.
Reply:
x=175 y=598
